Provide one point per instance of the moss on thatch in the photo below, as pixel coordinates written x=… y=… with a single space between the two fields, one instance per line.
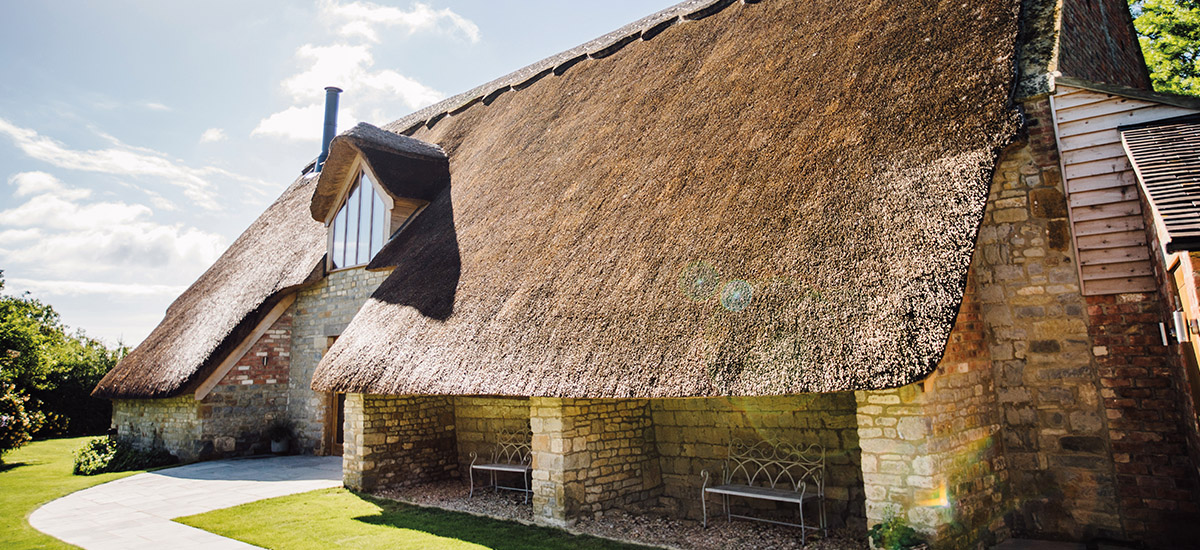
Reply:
x=782 y=197
x=283 y=249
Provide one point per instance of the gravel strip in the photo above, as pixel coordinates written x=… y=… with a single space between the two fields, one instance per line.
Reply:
x=647 y=529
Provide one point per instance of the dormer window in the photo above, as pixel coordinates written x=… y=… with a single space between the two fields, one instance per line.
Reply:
x=371 y=186
x=366 y=220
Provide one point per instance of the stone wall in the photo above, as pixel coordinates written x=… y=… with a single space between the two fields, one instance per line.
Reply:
x=591 y=455
x=479 y=419
x=1054 y=426
x=694 y=434
x=172 y=424
x=930 y=450
x=321 y=313
x=1100 y=44
x=397 y=441
x=230 y=420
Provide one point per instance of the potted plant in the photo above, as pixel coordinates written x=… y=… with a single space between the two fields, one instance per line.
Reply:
x=280 y=432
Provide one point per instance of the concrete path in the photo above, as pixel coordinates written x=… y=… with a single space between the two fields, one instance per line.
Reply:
x=136 y=512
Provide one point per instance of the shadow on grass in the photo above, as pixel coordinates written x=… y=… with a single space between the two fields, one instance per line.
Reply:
x=6 y=466
x=492 y=533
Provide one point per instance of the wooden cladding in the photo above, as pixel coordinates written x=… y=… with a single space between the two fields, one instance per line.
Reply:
x=1102 y=192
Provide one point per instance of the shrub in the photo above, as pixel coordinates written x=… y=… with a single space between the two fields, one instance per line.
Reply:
x=17 y=421
x=281 y=429
x=108 y=454
x=894 y=533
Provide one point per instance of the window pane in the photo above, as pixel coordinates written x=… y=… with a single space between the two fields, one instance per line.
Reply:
x=352 y=226
x=337 y=255
x=378 y=225
x=366 y=195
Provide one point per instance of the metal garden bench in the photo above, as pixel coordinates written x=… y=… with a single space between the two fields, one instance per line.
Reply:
x=510 y=454
x=775 y=471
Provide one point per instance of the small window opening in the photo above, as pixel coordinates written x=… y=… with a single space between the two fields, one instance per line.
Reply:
x=364 y=223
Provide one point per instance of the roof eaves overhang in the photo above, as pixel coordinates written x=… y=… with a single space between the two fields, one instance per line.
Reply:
x=405 y=167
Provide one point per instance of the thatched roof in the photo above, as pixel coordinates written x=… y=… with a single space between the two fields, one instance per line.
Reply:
x=283 y=249
x=406 y=167
x=776 y=198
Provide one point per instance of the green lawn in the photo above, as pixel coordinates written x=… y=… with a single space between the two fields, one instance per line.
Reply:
x=34 y=475
x=333 y=518
x=337 y=518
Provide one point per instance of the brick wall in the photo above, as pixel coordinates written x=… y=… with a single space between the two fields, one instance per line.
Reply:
x=931 y=450
x=321 y=312
x=478 y=420
x=1098 y=43
x=251 y=395
x=268 y=360
x=591 y=455
x=1149 y=411
x=1054 y=427
x=694 y=434
x=397 y=441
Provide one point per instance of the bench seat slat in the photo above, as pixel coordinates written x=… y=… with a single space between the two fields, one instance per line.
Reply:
x=502 y=467
x=766 y=493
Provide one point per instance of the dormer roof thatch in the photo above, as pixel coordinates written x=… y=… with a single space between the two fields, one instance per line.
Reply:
x=721 y=199
x=282 y=250
x=405 y=166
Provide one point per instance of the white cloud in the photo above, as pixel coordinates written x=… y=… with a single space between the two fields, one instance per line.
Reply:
x=349 y=68
x=77 y=288
x=34 y=183
x=123 y=160
x=296 y=123
x=360 y=18
x=156 y=106
x=377 y=94
x=212 y=135
x=56 y=232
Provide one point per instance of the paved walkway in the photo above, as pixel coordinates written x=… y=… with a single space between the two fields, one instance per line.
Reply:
x=136 y=512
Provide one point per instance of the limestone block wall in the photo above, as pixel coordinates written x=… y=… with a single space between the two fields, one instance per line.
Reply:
x=234 y=417
x=931 y=451
x=1046 y=384
x=396 y=441
x=229 y=421
x=172 y=424
x=591 y=455
x=478 y=420
x=321 y=313
x=693 y=435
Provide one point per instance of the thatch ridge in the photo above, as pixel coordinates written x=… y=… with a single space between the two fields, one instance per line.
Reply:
x=281 y=251
x=645 y=28
x=781 y=199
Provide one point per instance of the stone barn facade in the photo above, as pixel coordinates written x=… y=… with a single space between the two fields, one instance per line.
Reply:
x=934 y=240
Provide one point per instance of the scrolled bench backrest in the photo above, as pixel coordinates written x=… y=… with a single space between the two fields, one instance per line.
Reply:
x=512 y=447
x=776 y=464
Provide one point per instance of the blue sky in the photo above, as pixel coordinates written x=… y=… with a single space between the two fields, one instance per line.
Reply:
x=138 y=139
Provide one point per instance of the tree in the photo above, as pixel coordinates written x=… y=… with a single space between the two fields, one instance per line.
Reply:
x=54 y=369
x=17 y=422
x=1169 y=33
